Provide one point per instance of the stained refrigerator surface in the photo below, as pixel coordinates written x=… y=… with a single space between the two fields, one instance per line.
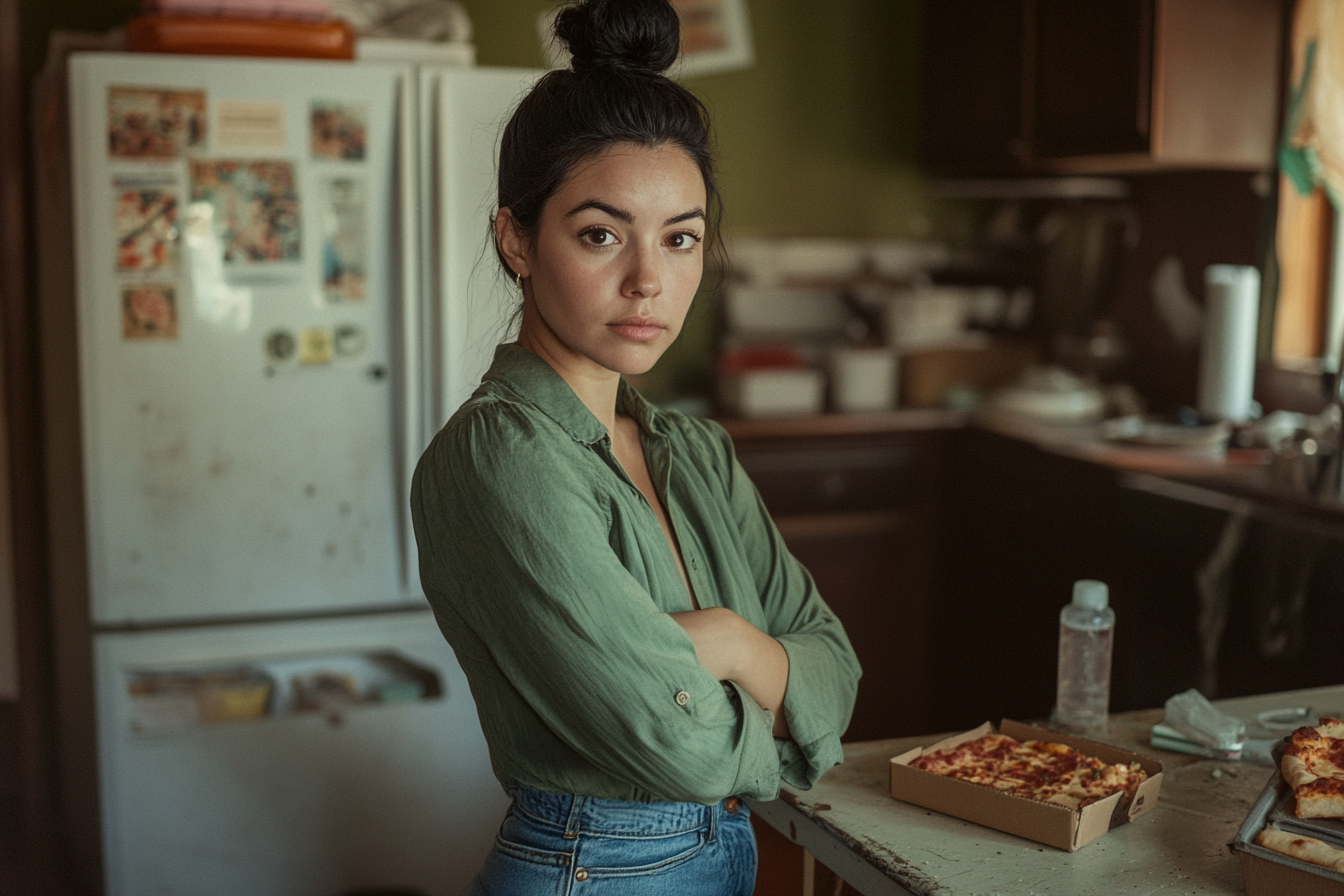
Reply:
x=241 y=369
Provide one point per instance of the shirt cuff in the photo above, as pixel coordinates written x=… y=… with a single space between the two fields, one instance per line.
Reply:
x=758 y=769
x=814 y=744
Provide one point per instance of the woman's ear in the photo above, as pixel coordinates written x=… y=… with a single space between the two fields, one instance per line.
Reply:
x=511 y=243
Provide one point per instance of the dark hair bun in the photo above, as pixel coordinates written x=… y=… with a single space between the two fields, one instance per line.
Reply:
x=635 y=36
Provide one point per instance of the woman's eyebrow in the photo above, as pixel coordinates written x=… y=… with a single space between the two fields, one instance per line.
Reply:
x=684 y=216
x=622 y=215
x=618 y=213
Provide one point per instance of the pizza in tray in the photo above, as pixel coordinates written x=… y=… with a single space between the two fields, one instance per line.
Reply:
x=1051 y=772
x=1306 y=849
x=1313 y=765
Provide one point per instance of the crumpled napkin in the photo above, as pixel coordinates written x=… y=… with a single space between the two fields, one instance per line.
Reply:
x=1191 y=713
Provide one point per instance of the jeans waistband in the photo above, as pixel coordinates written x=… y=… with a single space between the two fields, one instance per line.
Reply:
x=577 y=814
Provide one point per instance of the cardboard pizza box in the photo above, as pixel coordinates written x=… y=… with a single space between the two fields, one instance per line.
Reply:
x=1043 y=822
x=1270 y=873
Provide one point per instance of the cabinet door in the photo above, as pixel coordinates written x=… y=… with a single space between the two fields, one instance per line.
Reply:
x=1093 y=77
x=858 y=513
x=973 y=87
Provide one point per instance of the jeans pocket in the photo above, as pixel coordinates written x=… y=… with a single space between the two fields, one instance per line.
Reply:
x=628 y=856
x=529 y=839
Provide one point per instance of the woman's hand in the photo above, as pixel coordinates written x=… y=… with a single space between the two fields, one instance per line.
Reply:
x=730 y=647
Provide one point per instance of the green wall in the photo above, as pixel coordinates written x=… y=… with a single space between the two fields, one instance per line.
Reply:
x=817 y=138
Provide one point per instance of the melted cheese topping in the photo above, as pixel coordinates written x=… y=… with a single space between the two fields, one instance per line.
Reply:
x=1035 y=769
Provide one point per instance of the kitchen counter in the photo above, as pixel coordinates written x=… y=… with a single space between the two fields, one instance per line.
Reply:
x=822 y=425
x=1219 y=480
x=882 y=846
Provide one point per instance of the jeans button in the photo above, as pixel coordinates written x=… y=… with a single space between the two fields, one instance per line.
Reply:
x=731 y=804
x=581 y=874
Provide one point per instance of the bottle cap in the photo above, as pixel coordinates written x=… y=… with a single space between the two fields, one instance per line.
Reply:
x=1091 y=594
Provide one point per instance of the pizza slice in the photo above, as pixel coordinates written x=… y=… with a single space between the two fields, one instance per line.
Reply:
x=1306 y=849
x=1313 y=765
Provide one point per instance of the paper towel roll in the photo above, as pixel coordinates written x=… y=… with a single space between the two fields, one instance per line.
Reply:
x=1227 y=354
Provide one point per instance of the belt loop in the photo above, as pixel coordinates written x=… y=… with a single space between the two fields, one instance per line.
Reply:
x=713 y=812
x=572 y=825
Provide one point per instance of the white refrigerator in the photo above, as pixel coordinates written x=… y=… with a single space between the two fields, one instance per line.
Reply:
x=264 y=284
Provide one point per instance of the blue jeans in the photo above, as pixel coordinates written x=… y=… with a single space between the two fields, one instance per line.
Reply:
x=553 y=844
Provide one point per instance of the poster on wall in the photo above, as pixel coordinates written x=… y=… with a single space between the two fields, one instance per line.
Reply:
x=343 y=238
x=145 y=219
x=255 y=206
x=152 y=123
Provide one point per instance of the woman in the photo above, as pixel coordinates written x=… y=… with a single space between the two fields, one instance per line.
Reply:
x=643 y=650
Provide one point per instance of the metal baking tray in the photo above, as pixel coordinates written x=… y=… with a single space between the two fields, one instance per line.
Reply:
x=1275 y=795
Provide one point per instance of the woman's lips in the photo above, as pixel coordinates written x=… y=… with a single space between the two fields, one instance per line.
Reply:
x=637 y=328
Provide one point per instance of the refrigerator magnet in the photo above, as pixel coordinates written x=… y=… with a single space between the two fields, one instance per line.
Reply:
x=151 y=123
x=280 y=346
x=343 y=245
x=337 y=130
x=349 y=340
x=148 y=311
x=316 y=345
x=250 y=124
x=145 y=218
x=256 y=207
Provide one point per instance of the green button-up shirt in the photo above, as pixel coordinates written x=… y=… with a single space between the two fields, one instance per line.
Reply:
x=550 y=576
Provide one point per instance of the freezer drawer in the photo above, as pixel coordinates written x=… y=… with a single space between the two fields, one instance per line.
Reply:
x=376 y=775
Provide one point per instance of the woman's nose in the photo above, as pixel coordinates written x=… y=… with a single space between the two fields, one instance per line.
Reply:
x=644 y=279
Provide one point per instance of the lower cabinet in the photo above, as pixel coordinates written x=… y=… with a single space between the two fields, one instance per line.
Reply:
x=948 y=554
x=858 y=511
x=1232 y=596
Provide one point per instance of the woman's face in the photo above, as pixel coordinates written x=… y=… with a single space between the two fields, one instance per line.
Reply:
x=615 y=260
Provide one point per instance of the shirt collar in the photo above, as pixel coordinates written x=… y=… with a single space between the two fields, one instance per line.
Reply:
x=537 y=382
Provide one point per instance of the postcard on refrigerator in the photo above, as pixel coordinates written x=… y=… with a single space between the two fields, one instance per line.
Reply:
x=149 y=123
x=338 y=130
x=148 y=311
x=145 y=219
x=255 y=207
x=244 y=123
x=343 y=243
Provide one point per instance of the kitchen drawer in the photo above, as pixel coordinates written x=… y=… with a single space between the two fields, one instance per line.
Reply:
x=831 y=478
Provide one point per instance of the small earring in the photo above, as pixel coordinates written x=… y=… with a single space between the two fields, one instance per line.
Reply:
x=518 y=281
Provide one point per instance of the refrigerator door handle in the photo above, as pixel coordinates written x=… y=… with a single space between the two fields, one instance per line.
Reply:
x=412 y=322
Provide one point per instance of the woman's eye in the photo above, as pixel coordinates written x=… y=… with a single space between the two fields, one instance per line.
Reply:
x=599 y=237
x=683 y=240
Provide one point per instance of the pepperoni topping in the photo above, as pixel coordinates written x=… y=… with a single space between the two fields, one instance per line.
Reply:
x=1036 y=769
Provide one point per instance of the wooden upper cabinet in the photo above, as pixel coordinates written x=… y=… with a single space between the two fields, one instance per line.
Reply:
x=1104 y=85
x=1090 y=88
x=973 y=92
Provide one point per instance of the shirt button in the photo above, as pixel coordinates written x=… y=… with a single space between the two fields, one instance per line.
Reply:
x=682 y=698
x=581 y=874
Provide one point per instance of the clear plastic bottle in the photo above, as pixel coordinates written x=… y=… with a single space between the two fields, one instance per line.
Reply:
x=1086 y=625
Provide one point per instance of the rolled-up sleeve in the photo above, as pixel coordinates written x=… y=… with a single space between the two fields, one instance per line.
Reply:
x=564 y=648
